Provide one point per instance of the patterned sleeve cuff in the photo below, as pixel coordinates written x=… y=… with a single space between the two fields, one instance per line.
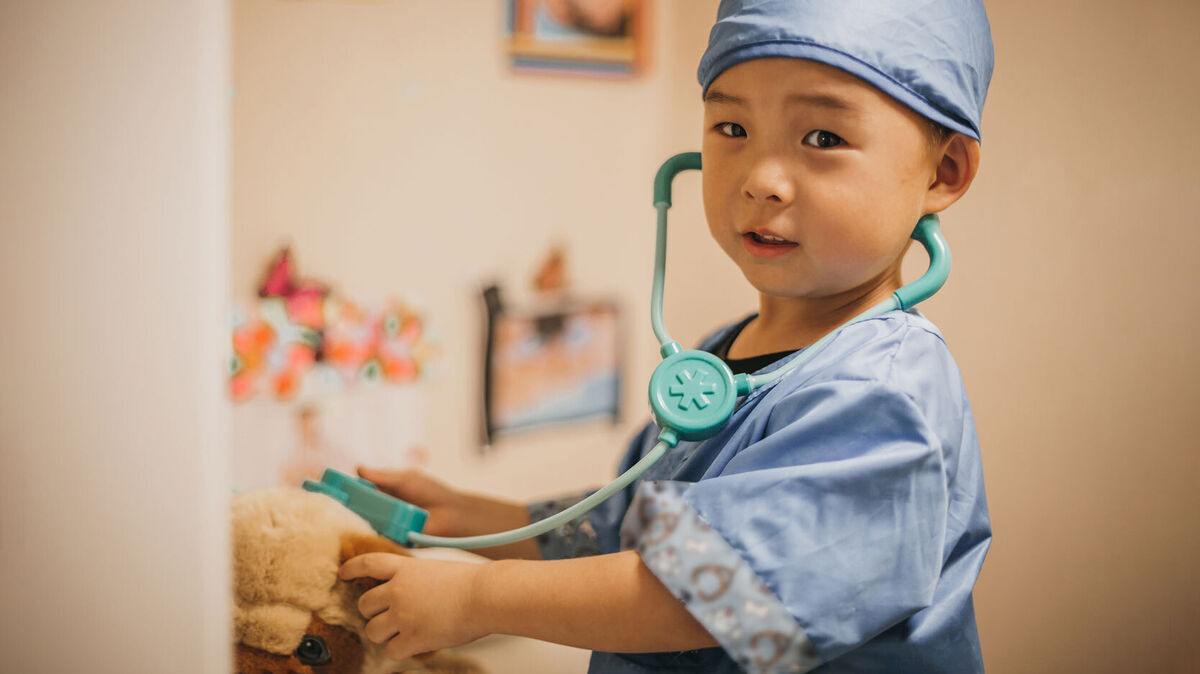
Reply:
x=576 y=538
x=712 y=580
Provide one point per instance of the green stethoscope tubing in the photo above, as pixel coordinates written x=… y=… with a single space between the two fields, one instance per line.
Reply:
x=692 y=393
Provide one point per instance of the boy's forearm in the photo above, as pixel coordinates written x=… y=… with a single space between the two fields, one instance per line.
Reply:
x=606 y=602
x=526 y=549
x=504 y=517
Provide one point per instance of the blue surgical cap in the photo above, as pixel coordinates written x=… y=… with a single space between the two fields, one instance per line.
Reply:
x=934 y=56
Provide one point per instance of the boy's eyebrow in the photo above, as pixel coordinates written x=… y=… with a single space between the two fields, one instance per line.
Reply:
x=817 y=100
x=714 y=96
x=824 y=101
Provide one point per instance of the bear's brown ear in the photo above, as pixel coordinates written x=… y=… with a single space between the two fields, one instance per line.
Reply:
x=353 y=545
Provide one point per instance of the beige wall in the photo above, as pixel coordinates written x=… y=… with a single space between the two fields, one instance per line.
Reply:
x=390 y=145
x=113 y=282
x=1079 y=345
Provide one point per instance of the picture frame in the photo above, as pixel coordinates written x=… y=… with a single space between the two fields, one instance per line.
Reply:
x=600 y=38
x=547 y=366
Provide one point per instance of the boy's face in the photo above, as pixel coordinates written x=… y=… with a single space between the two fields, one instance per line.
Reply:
x=813 y=179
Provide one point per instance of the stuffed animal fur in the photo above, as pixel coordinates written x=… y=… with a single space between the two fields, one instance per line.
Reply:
x=291 y=611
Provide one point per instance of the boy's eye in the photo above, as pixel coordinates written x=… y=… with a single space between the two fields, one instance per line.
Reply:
x=732 y=130
x=820 y=138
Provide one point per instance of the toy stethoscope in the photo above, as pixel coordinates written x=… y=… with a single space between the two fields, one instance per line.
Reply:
x=692 y=393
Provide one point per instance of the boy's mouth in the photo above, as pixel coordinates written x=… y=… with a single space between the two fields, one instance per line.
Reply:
x=768 y=239
x=767 y=245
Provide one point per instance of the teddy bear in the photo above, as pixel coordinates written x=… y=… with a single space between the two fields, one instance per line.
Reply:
x=291 y=612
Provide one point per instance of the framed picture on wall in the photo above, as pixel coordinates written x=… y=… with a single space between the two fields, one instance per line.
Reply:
x=604 y=38
x=550 y=366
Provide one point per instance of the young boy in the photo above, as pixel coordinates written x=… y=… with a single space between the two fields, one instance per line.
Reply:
x=838 y=522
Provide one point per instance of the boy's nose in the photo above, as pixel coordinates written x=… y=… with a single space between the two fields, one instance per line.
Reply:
x=768 y=181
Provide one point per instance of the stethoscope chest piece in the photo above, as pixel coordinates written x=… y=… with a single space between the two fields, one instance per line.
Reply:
x=694 y=393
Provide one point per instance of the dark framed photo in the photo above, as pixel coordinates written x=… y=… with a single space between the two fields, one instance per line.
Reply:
x=548 y=366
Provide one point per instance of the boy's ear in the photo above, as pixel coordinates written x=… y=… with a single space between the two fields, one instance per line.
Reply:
x=958 y=162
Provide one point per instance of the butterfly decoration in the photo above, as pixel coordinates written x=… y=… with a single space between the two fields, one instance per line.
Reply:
x=305 y=299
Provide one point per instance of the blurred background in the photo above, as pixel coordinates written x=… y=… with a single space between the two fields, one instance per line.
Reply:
x=240 y=239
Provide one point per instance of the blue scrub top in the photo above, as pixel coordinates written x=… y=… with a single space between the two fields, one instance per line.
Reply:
x=837 y=524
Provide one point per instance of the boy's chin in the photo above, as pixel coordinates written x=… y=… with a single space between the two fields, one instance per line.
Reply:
x=777 y=282
x=780 y=290
x=797 y=291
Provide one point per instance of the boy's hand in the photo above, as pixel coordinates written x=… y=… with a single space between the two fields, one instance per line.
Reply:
x=448 y=509
x=453 y=513
x=422 y=606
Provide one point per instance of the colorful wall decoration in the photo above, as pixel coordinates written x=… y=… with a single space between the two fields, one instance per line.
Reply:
x=300 y=337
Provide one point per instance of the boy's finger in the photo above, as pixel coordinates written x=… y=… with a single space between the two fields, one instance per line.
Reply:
x=379 y=629
x=378 y=565
x=403 y=484
x=398 y=648
x=392 y=480
x=373 y=602
x=366 y=471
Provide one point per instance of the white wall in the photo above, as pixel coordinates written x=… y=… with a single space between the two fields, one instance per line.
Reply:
x=113 y=277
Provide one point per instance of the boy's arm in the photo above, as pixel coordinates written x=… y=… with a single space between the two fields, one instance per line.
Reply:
x=606 y=603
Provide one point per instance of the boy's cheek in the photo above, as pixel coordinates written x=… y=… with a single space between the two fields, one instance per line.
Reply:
x=722 y=231
x=714 y=214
